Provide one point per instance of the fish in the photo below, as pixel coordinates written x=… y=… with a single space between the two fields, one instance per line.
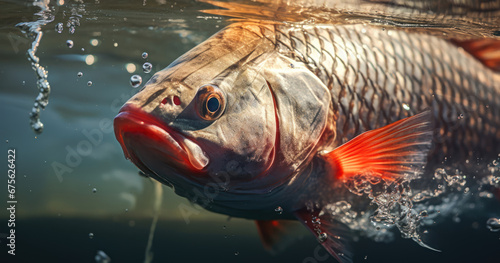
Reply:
x=273 y=122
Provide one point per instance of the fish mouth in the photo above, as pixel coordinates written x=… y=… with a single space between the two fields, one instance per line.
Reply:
x=152 y=145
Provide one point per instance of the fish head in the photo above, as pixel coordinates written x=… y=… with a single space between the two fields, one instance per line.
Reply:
x=232 y=111
x=191 y=131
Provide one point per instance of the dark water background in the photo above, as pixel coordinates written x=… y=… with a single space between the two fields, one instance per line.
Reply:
x=55 y=214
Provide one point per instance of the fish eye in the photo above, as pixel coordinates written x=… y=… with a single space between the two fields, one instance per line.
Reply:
x=210 y=102
x=213 y=104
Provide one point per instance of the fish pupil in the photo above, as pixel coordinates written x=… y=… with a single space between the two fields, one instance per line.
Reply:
x=213 y=104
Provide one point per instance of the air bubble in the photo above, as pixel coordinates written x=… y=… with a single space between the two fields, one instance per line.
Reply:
x=59 y=28
x=493 y=224
x=146 y=67
x=91 y=235
x=37 y=127
x=406 y=106
x=440 y=173
x=69 y=43
x=89 y=83
x=135 y=81
x=94 y=190
x=279 y=210
x=144 y=55
x=236 y=253
x=79 y=74
x=322 y=237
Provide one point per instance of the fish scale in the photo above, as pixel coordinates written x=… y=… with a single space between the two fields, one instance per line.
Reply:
x=371 y=73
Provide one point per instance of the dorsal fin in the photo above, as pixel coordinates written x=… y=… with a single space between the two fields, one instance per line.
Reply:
x=486 y=50
x=388 y=153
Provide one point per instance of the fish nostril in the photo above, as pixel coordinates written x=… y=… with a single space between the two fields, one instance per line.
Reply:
x=171 y=100
x=177 y=100
x=164 y=101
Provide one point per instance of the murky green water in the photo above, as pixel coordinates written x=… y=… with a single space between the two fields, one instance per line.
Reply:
x=72 y=181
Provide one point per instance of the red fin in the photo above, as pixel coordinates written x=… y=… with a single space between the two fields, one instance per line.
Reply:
x=389 y=153
x=273 y=233
x=332 y=236
x=486 y=50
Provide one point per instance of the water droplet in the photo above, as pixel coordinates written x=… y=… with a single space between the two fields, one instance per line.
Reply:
x=146 y=67
x=59 y=28
x=94 y=190
x=89 y=83
x=279 y=210
x=135 y=81
x=424 y=213
x=79 y=74
x=406 y=106
x=322 y=237
x=69 y=43
x=493 y=224
x=144 y=55
x=91 y=235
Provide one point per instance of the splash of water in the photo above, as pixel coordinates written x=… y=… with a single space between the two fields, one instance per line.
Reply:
x=410 y=204
x=33 y=30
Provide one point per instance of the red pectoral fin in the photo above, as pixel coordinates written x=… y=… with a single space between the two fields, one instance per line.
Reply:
x=486 y=50
x=275 y=234
x=389 y=152
x=332 y=236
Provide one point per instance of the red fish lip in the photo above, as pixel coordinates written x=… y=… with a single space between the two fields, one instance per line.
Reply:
x=144 y=137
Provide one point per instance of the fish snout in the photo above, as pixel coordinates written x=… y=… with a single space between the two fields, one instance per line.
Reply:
x=152 y=145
